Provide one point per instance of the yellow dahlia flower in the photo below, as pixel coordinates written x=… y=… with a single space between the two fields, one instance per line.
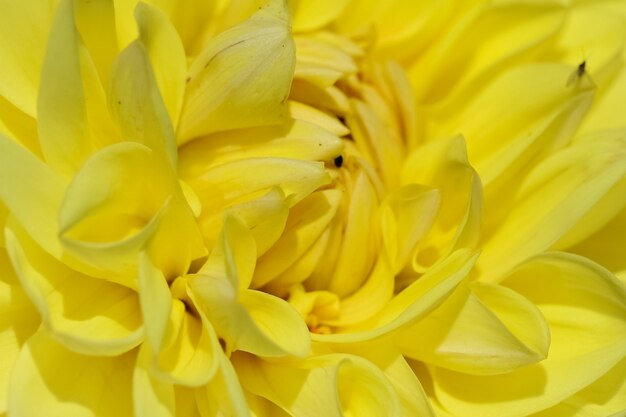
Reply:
x=312 y=208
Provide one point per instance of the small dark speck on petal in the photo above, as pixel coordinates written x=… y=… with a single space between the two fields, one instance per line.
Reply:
x=339 y=161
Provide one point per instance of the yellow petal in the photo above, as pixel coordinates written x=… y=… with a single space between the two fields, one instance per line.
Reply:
x=306 y=222
x=604 y=397
x=24 y=32
x=223 y=395
x=295 y=140
x=300 y=111
x=249 y=320
x=88 y=315
x=167 y=56
x=486 y=330
x=357 y=252
x=312 y=14
x=225 y=184
x=444 y=165
x=585 y=307
x=555 y=200
x=68 y=77
x=413 y=303
x=329 y=385
x=245 y=70
x=504 y=32
x=112 y=206
x=136 y=104
x=18 y=321
x=234 y=256
x=33 y=195
x=19 y=126
x=406 y=216
x=183 y=345
x=67 y=383
x=151 y=397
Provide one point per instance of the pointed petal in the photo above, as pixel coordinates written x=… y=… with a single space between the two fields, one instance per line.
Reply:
x=329 y=385
x=112 y=206
x=68 y=77
x=33 y=195
x=166 y=54
x=88 y=315
x=67 y=383
x=136 y=104
x=413 y=303
x=251 y=321
x=585 y=307
x=485 y=330
x=260 y=52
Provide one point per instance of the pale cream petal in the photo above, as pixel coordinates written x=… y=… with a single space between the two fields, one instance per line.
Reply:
x=242 y=78
x=88 y=315
x=24 y=31
x=167 y=56
x=48 y=379
x=585 y=307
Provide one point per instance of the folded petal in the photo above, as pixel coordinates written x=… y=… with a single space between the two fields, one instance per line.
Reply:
x=223 y=395
x=151 y=397
x=67 y=383
x=87 y=315
x=242 y=78
x=33 y=195
x=137 y=106
x=585 y=307
x=18 y=321
x=329 y=385
x=112 y=206
x=483 y=330
x=166 y=54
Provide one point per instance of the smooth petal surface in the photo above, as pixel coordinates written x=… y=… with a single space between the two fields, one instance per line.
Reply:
x=151 y=397
x=333 y=385
x=483 y=330
x=32 y=192
x=586 y=179
x=223 y=395
x=24 y=31
x=166 y=54
x=242 y=78
x=67 y=383
x=18 y=321
x=581 y=302
x=137 y=106
x=88 y=315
